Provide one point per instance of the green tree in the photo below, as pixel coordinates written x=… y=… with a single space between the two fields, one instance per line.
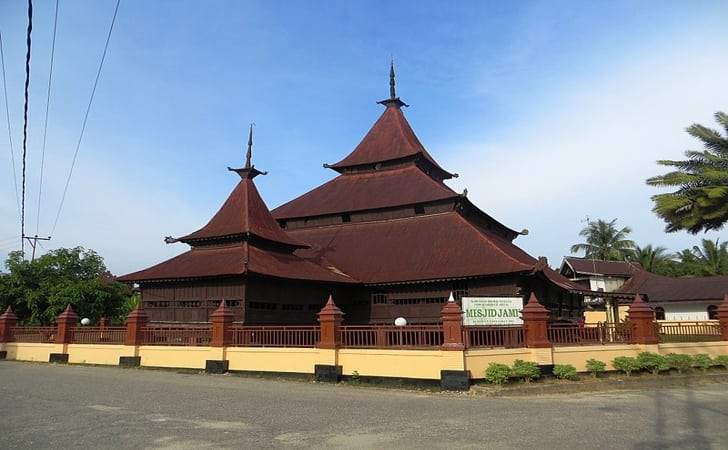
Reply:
x=712 y=258
x=39 y=290
x=700 y=202
x=652 y=259
x=604 y=241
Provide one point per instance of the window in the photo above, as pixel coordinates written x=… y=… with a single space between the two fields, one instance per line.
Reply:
x=712 y=312
x=419 y=209
x=659 y=313
x=346 y=218
x=262 y=305
x=460 y=289
x=291 y=307
x=379 y=298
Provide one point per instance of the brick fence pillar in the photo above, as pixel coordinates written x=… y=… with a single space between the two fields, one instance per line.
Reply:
x=66 y=322
x=722 y=318
x=642 y=322
x=8 y=320
x=535 y=317
x=330 y=318
x=135 y=323
x=452 y=326
x=222 y=320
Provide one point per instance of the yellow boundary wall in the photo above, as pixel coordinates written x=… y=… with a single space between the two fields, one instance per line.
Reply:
x=395 y=363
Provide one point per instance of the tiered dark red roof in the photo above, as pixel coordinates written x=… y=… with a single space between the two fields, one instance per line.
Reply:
x=660 y=288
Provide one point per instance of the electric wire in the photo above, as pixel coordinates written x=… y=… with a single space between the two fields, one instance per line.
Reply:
x=10 y=133
x=45 y=124
x=25 y=124
x=85 y=119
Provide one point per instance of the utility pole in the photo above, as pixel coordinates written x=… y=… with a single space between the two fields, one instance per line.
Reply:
x=33 y=241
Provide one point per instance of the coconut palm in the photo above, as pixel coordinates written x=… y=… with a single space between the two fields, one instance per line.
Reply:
x=604 y=241
x=712 y=258
x=700 y=202
x=652 y=259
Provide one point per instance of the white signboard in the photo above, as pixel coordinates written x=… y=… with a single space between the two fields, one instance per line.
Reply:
x=492 y=311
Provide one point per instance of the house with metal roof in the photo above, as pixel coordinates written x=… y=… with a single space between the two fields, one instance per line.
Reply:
x=386 y=237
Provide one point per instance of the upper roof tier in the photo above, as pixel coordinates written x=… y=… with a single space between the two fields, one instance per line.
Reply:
x=405 y=185
x=390 y=139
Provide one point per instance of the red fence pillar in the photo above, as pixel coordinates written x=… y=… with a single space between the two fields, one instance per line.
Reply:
x=642 y=322
x=330 y=318
x=535 y=317
x=452 y=326
x=722 y=318
x=135 y=323
x=8 y=320
x=66 y=322
x=222 y=319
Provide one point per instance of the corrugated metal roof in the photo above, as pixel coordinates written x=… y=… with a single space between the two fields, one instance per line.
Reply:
x=389 y=139
x=365 y=191
x=243 y=213
x=586 y=266
x=660 y=288
x=240 y=259
x=418 y=248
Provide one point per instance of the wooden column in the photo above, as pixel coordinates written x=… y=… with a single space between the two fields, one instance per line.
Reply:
x=66 y=322
x=222 y=319
x=8 y=320
x=642 y=322
x=535 y=317
x=135 y=323
x=330 y=318
x=452 y=326
x=722 y=318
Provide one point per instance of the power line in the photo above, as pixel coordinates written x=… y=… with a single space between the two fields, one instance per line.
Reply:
x=85 y=119
x=45 y=124
x=25 y=122
x=10 y=133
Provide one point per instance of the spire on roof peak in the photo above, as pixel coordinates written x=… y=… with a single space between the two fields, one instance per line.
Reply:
x=249 y=171
x=393 y=100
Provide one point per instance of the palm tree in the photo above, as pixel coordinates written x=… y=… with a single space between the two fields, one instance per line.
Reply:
x=700 y=202
x=712 y=258
x=652 y=259
x=604 y=241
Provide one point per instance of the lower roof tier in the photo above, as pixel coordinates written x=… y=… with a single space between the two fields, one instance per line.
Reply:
x=240 y=259
x=426 y=247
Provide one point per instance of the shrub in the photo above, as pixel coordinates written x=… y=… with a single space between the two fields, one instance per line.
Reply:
x=626 y=364
x=702 y=361
x=651 y=362
x=721 y=360
x=497 y=373
x=565 y=372
x=595 y=367
x=526 y=370
x=682 y=363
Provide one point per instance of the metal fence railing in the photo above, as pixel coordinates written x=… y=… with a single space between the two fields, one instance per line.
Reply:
x=276 y=336
x=697 y=331
x=44 y=335
x=99 y=335
x=391 y=336
x=189 y=336
x=493 y=337
x=589 y=334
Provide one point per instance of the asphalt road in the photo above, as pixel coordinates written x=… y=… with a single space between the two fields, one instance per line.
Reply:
x=58 y=406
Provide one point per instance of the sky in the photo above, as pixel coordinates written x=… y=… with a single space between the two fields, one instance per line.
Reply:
x=553 y=113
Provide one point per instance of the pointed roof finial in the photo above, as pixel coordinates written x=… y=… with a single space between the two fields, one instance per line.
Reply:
x=393 y=100
x=392 y=94
x=250 y=148
x=249 y=171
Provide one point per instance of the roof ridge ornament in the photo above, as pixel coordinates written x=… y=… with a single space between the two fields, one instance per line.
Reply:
x=249 y=171
x=393 y=100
